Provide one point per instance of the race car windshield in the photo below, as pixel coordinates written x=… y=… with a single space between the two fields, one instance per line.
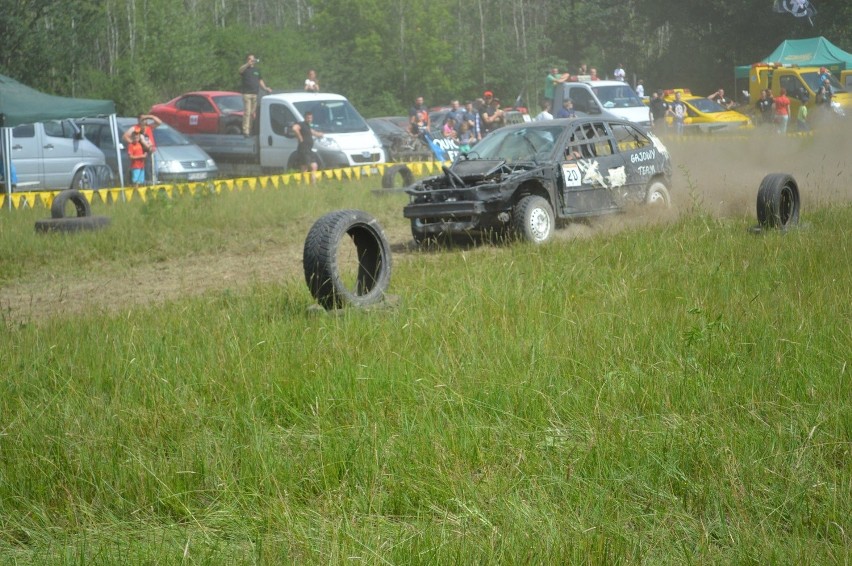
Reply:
x=617 y=96
x=523 y=144
x=333 y=116
x=706 y=105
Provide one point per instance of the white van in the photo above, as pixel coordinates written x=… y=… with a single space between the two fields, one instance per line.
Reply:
x=613 y=98
x=55 y=155
x=346 y=140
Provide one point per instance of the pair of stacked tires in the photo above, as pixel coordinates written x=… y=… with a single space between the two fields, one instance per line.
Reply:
x=81 y=221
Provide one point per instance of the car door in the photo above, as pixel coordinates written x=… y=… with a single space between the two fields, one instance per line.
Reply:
x=593 y=170
x=642 y=159
x=27 y=155
x=196 y=115
x=275 y=145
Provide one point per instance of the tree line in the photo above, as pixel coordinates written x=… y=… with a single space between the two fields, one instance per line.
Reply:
x=383 y=53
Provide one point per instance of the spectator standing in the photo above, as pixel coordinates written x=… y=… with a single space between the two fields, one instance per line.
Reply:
x=593 y=74
x=658 y=109
x=311 y=83
x=251 y=83
x=640 y=88
x=802 y=114
x=477 y=108
x=764 y=107
x=449 y=128
x=782 y=111
x=137 y=151
x=466 y=138
x=144 y=126
x=567 y=110
x=492 y=116
x=824 y=94
x=553 y=78
x=305 y=133
x=471 y=117
x=582 y=70
x=456 y=113
x=545 y=112
x=677 y=110
x=418 y=117
x=619 y=73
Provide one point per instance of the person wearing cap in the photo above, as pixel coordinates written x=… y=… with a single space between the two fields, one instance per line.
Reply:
x=492 y=116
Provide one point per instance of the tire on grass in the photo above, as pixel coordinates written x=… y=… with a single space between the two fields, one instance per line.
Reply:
x=81 y=205
x=78 y=224
x=778 y=201
x=400 y=170
x=533 y=219
x=335 y=282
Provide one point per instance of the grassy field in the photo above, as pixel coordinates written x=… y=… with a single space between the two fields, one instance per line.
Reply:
x=642 y=390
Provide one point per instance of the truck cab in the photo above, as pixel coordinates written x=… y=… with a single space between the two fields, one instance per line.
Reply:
x=795 y=80
x=614 y=99
x=347 y=140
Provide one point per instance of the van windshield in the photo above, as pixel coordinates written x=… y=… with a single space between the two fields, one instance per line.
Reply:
x=333 y=116
x=617 y=96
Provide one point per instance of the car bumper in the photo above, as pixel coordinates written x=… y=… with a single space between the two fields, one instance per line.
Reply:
x=451 y=217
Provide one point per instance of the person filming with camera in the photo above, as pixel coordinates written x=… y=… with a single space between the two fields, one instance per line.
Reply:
x=251 y=83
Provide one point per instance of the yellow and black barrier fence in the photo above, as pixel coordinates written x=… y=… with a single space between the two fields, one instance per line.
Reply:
x=32 y=199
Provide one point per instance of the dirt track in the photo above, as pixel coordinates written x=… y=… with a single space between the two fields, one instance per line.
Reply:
x=718 y=176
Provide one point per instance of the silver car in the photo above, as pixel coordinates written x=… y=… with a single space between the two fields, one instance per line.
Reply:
x=176 y=158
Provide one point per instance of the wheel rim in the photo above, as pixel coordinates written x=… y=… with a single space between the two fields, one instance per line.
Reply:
x=539 y=224
x=785 y=208
x=656 y=198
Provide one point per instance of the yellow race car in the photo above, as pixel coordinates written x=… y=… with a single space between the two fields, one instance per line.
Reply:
x=705 y=115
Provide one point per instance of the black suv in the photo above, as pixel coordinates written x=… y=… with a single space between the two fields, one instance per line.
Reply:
x=524 y=177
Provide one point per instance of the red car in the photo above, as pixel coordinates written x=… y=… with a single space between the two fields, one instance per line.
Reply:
x=203 y=112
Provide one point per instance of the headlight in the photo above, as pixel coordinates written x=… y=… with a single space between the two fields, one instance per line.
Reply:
x=327 y=143
x=169 y=167
x=211 y=163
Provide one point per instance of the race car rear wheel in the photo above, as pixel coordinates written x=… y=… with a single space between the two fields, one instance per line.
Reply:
x=533 y=219
x=778 y=201
x=658 y=195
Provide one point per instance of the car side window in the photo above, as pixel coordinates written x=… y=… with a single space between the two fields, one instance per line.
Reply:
x=54 y=129
x=629 y=138
x=24 y=131
x=194 y=104
x=581 y=99
x=281 y=118
x=791 y=83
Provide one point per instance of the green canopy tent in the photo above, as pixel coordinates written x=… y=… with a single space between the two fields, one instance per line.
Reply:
x=20 y=104
x=812 y=52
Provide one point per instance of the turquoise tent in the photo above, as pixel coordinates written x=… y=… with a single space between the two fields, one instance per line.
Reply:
x=812 y=52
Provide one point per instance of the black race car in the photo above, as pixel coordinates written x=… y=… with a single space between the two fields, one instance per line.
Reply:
x=523 y=178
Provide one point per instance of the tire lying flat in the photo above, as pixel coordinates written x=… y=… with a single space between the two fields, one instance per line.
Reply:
x=324 y=271
x=778 y=202
x=78 y=224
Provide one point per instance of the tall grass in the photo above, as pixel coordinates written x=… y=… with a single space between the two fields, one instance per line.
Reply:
x=668 y=395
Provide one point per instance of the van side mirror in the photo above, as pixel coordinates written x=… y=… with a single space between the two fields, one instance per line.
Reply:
x=593 y=107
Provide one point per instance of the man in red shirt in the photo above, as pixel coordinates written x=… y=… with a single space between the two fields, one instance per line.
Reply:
x=782 y=111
